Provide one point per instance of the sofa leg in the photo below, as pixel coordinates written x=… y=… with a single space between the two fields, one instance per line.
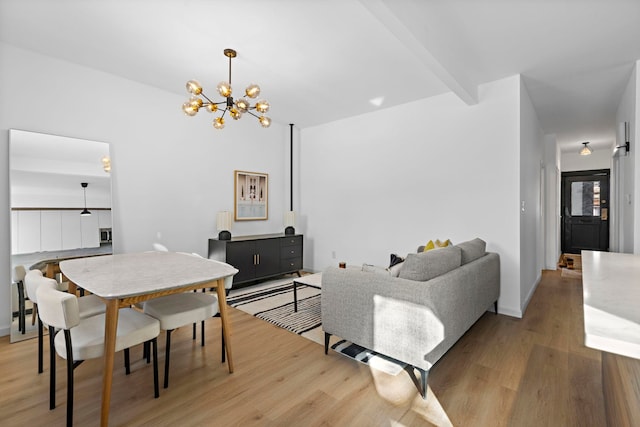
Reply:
x=495 y=306
x=423 y=382
x=326 y=342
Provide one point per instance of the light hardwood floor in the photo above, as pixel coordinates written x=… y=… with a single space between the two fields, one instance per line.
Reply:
x=533 y=371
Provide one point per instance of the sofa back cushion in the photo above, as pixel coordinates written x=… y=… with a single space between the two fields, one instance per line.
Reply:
x=472 y=250
x=427 y=265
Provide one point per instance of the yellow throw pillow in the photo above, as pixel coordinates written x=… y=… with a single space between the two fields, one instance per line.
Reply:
x=435 y=245
x=429 y=246
x=443 y=244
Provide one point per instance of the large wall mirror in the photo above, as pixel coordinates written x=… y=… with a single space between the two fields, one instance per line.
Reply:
x=60 y=208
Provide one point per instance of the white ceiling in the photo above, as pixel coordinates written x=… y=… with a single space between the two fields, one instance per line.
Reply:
x=319 y=61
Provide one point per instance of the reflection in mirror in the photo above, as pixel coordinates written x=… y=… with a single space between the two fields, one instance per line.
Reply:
x=47 y=173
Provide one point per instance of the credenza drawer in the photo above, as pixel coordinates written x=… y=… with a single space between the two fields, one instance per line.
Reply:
x=291 y=264
x=290 y=251
x=291 y=241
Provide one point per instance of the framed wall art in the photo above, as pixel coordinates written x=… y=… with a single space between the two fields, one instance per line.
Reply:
x=251 y=196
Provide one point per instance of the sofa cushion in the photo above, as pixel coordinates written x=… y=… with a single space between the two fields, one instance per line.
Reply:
x=427 y=265
x=472 y=250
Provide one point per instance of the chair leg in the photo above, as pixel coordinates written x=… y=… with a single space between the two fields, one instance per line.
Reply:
x=156 y=390
x=127 y=364
x=52 y=368
x=145 y=351
x=21 y=308
x=67 y=341
x=40 y=345
x=194 y=331
x=201 y=334
x=166 y=359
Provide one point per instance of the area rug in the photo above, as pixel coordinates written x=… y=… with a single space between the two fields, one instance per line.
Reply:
x=273 y=302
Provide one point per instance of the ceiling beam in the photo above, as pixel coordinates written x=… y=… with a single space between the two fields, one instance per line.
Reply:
x=467 y=93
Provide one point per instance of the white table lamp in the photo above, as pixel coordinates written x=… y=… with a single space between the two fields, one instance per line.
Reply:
x=223 y=225
x=289 y=222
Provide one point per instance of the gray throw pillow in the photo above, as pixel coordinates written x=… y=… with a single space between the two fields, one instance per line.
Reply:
x=472 y=250
x=427 y=265
x=394 y=271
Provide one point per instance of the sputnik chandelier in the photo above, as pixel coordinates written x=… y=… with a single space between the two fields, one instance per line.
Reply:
x=235 y=108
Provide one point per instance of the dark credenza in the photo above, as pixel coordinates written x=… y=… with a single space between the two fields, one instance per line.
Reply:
x=259 y=257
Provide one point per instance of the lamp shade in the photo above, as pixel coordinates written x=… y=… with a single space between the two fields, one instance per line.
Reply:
x=289 y=222
x=223 y=225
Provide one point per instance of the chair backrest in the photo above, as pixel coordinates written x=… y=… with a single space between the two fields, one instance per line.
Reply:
x=31 y=283
x=18 y=273
x=58 y=309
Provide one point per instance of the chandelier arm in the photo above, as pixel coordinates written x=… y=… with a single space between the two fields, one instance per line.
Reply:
x=254 y=115
x=206 y=97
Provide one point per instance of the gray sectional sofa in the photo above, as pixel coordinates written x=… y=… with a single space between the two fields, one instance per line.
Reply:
x=418 y=315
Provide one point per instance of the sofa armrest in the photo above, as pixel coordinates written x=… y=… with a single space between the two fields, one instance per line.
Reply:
x=415 y=322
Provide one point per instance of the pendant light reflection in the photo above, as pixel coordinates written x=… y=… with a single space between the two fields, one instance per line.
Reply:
x=85 y=212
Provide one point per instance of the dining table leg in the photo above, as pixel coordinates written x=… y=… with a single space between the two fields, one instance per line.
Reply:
x=226 y=325
x=111 y=328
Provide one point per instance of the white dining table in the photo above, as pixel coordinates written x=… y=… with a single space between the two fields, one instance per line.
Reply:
x=125 y=279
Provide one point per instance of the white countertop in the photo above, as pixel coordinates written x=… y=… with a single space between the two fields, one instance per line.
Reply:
x=125 y=275
x=611 y=288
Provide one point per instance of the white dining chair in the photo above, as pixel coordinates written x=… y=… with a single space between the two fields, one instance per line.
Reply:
x=89 y=305
x=82 y=339
x=177 y=310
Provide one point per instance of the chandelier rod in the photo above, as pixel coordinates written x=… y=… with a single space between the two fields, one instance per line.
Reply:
x=230 y=53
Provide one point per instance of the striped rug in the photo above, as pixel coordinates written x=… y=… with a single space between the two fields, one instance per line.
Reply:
x=273 y=302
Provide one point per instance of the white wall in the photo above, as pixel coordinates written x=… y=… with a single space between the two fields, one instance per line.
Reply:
x=551 y=202
x=625 y=175
x=634 y=131
x=391 y=180
x=531 y=194
x=170 y=173
x=573 y=161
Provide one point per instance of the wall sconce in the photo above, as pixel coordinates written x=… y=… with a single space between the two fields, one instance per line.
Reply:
x=223 y=225
x=85 y=212
x=626 y=144
x=289 y=222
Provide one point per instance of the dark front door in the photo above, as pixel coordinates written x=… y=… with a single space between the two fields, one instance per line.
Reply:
x=585 y=211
